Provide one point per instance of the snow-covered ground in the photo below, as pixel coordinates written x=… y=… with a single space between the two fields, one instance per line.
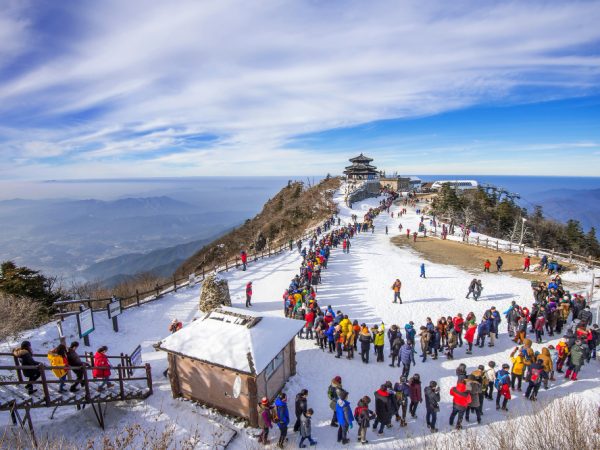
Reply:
x=359 y=284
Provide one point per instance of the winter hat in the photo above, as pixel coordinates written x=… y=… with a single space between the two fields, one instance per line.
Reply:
x=481 y=367
x=505 y=366
x=25 y=344
x=337 y=379
x=264 y=401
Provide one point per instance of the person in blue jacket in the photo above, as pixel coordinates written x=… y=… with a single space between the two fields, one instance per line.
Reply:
x=482 y=331
x=410 y=332
x=284 y=418
x=407 y=356
x=344 y=417
x=422 y=271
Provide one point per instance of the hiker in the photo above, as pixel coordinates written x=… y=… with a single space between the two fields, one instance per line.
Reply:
x=432 y=404
x=58 y=361
x=576 y=360
x=379 y=341
x=396 y=288
x=486 y=265
x=422 y=271
x=283 y=415
x=266 y=414
x=363 y=416
x=474 y=388
x=333 y=393
x=300 y=408
x=472 y=287
x=305 y=428
x=490 y=374
x=25 y=356
x=248 y=294
x=407 y=356
x=526 y=263
x=415 y=394
x=460 y=402
x=499 y=264
x=502 y=385
x=344 y=418
x=383 y=408
x=175 y=326
x=77 y=366
x=365 y=339
x=401 y=394
x=244 y=257
x=519 y=362
x=536 y=377
x=102 y=368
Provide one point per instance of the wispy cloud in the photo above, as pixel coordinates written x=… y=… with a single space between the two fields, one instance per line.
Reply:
x=136 y=79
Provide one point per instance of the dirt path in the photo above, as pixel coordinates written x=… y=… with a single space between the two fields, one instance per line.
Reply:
x=470 y=257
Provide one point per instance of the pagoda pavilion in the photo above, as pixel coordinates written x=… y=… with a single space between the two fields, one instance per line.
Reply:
x=361 y=169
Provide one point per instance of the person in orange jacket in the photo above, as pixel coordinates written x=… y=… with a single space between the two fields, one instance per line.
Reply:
x=486 y=265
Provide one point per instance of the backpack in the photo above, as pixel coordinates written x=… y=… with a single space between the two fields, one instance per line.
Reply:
x=535 y=374
x=499 y=381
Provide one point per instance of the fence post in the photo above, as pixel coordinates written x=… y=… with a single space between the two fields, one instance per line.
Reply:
x=509 y=247
x=226 y=266
x=477 y=241
x=202 y=273
x=497 y=248
x=552 y=254
x=121 y=387
x=174 y=283
x=590 y=261
x=571 y=256
x=486 y=242
x=137 y=297
x=44 y=384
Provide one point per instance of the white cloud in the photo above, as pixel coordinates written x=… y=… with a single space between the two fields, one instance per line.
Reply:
x=256 y=74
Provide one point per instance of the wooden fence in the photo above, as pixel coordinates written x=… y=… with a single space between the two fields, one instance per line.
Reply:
x=67 y=307
x=496 y=245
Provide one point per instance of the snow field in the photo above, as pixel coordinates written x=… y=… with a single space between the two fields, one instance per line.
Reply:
x=359 y=284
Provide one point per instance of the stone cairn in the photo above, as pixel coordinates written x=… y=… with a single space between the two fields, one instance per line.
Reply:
x=214 y=294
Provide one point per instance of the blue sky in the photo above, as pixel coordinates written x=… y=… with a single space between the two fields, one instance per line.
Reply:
x=128 y=89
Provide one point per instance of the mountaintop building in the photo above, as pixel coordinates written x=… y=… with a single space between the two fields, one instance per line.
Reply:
x=361 y=169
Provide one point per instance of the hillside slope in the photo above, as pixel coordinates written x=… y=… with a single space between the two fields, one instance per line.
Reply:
x=286 y=216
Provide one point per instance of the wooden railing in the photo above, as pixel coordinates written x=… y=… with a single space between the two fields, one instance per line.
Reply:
x=67 y=307
x=495 y=244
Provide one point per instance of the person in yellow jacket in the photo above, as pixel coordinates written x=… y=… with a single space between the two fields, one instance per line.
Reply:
x=58 y=358
x=378 y=341
x=345 y=324
x=350 y=338
x=518 y=369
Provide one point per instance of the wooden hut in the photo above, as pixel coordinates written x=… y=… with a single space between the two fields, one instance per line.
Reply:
x=230 y=358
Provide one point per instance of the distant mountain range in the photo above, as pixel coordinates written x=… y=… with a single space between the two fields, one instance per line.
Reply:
x=565 y=204
x=162 y=262
x=98 y=240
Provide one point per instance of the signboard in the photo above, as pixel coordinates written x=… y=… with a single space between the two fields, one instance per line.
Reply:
x=114 y=308
x=85 y=322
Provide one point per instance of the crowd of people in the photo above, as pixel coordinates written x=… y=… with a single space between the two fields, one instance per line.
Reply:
x=338 y=334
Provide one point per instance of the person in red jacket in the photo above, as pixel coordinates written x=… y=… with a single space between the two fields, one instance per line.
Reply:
x=248 y=294
x=470 y=336
x=486 y=265
x=458 y=323
x=526 y=263
x=308 y=325
x=244 y=258
x=101 y=368
x=461 y=398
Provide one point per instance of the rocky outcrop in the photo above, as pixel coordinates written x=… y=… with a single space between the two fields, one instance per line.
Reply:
x=215 y=293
